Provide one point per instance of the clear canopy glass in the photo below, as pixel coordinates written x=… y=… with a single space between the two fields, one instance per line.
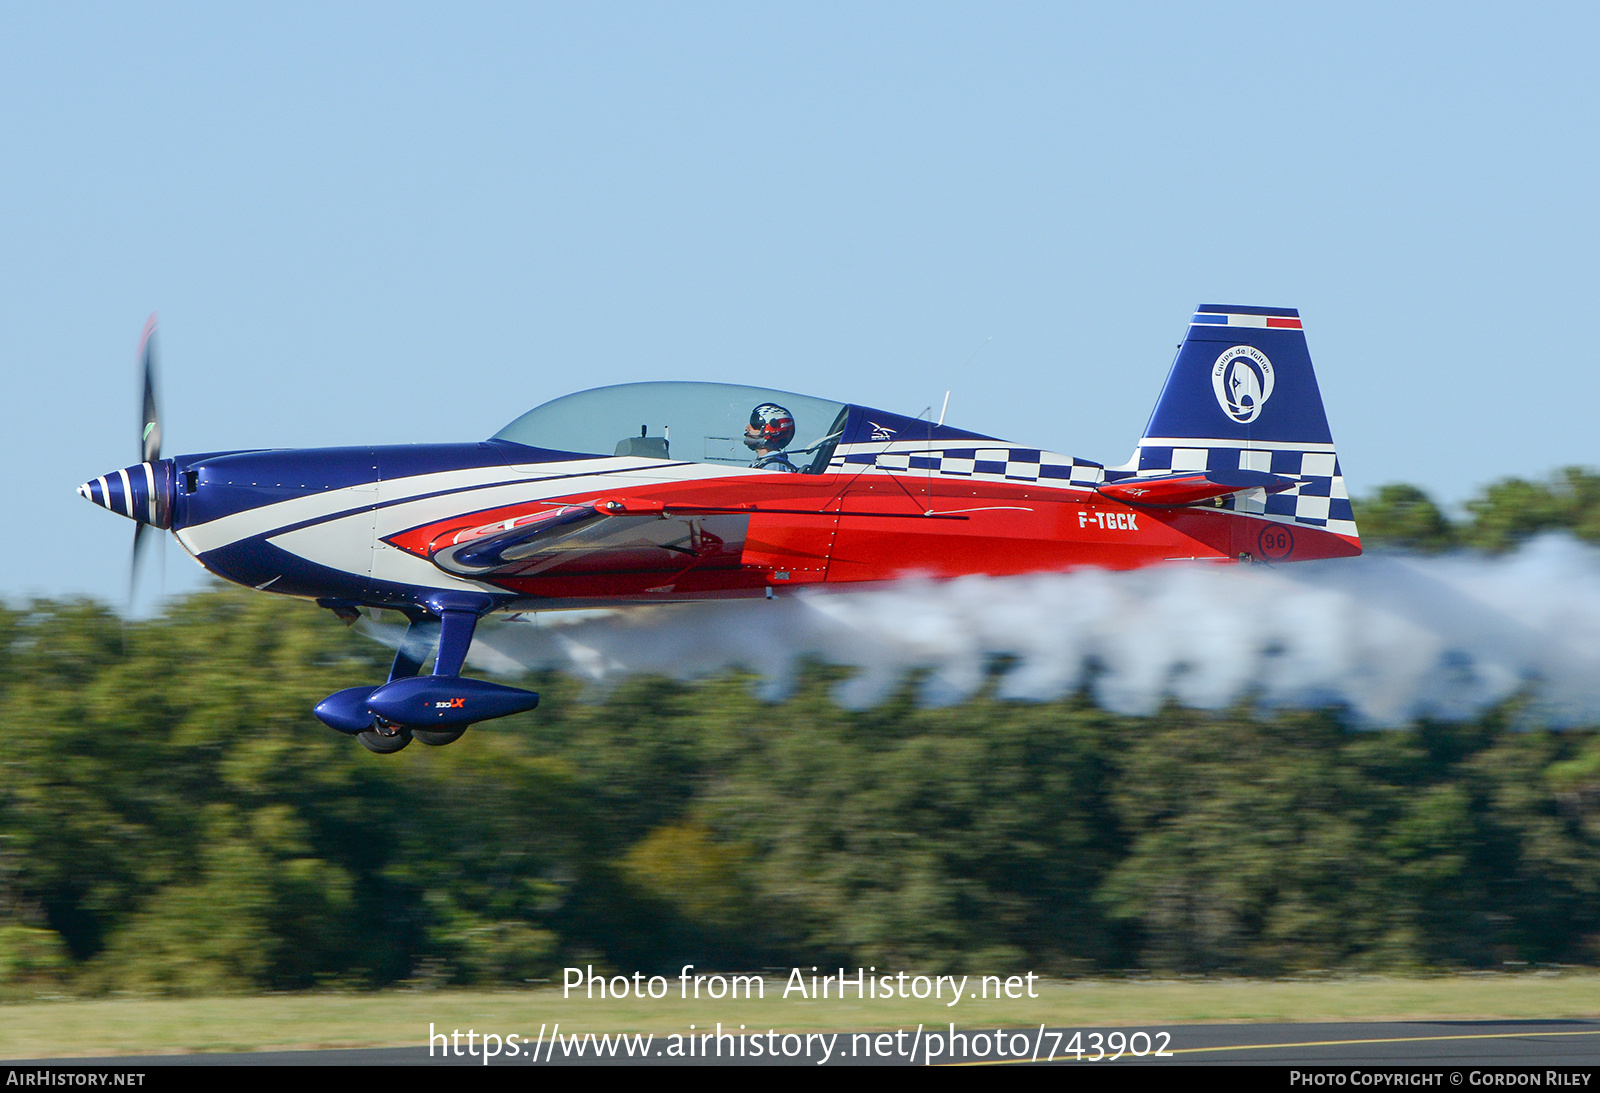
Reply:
x=695 y=422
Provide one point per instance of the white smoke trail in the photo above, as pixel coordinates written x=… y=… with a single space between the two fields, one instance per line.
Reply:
x=1390 y=638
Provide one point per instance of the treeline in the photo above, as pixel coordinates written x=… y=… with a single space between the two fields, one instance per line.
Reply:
x=173 y=819
x=1498 y=519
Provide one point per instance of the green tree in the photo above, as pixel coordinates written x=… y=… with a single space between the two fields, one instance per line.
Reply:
x=1513 y=510
x=173 y=819
x=1403 y=516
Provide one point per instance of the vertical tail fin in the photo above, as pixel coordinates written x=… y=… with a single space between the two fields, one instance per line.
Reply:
x=1242 y=396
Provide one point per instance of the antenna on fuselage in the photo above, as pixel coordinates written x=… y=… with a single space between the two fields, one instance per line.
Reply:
x=957 y=375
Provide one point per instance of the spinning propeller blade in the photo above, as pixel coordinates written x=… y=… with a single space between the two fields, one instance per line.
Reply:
x=149 y=438
x=150 y=418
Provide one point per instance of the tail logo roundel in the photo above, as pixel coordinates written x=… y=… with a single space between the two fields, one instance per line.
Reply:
x=1242 y=380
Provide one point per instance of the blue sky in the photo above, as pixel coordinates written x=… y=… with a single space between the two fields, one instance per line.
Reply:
x=394 y=223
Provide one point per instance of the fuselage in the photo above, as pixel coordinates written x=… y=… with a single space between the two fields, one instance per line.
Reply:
x=367 y=525
x=878 y=497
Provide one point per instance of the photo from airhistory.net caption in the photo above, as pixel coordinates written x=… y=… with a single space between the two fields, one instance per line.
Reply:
x=918 y=1045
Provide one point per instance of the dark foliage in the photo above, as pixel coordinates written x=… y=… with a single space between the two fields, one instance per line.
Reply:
x=1501 y=518
x=173 y=819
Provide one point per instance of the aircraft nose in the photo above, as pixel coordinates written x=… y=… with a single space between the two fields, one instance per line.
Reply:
x=142 y=492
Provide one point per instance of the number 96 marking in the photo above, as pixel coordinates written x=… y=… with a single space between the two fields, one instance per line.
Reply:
x=1276 y=542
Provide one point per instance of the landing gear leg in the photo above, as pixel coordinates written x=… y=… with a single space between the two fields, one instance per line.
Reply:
x=384 y=738
x=455 y=636
x=435 y=709
x=414 y=647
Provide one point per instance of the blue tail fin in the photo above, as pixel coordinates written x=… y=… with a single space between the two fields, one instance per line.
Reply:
x=1242 y=396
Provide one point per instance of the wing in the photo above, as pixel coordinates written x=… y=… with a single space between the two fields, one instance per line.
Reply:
x=622 y=536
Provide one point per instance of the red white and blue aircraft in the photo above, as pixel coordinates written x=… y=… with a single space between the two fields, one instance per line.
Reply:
x=661 y=492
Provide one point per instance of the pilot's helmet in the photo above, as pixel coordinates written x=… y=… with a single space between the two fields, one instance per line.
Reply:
x=771 y=427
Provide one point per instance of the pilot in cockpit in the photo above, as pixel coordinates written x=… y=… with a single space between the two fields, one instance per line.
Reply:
x=770 y=430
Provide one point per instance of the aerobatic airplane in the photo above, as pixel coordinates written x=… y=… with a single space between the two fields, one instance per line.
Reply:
x=663 y=492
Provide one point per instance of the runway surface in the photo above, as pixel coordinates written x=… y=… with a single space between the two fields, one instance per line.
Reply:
x=1435 y=1044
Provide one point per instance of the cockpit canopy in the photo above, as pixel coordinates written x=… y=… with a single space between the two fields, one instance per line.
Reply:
x=693 y=422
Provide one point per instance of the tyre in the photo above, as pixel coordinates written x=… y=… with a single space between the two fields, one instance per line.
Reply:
x=373 y=740
x=437 y=738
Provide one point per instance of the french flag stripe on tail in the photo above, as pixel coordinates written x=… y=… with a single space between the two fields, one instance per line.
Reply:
x=1263 y=322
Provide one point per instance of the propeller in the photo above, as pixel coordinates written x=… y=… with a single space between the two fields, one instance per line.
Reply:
x=149 y=439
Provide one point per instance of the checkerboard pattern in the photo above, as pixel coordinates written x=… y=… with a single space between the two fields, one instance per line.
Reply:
x=992 y=464
x=1319 y=500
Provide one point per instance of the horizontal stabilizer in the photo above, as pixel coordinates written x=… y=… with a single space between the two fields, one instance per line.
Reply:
x=1190 y=487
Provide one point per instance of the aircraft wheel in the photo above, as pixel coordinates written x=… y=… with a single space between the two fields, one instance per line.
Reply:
x=383 y=744
x=436 y=738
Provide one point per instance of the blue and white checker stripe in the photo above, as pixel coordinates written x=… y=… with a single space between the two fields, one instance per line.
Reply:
x=1319 y=498
x=993 y=463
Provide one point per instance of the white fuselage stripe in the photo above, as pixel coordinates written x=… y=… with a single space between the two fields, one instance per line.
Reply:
x=297 y=510
x=453 y=491
x=200 y=538
x=330 y=542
